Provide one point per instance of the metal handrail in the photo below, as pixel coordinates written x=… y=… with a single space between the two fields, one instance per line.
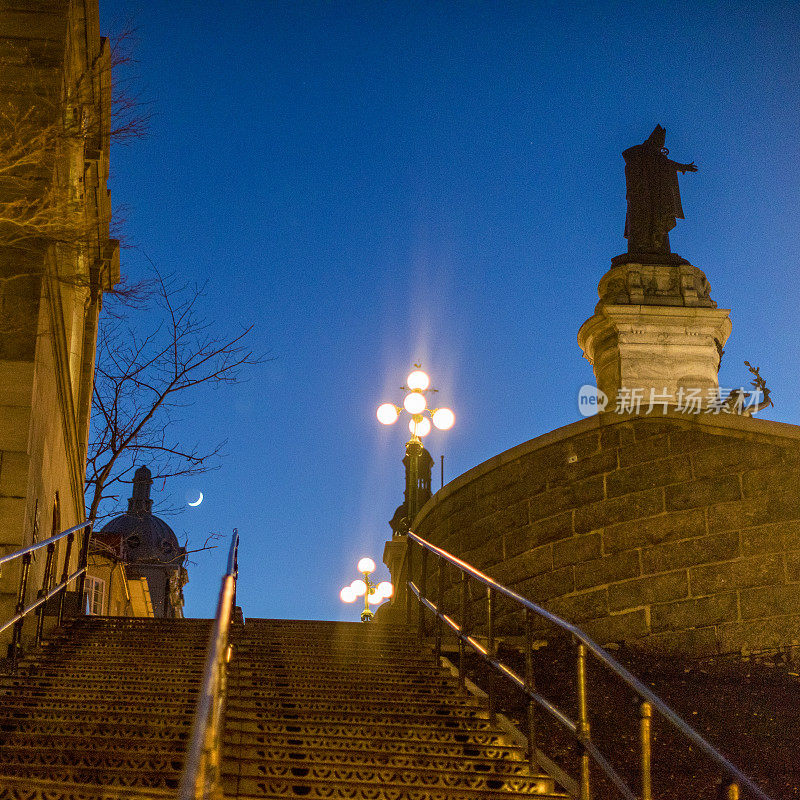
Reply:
x=579 y=729
x=45 y=592
x=42 y=600
x=44 y=543
x=201 y=772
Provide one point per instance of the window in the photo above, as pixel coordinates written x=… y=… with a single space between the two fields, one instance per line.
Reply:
x=94 y=593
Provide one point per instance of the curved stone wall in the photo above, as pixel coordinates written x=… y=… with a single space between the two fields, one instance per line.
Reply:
x=672 y=533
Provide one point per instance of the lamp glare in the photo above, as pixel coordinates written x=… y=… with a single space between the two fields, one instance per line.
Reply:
x=366 y=565
x=386 y=588
x=359 y=587
x=415 y=402
x=418 y=380
x=443 y=419
x=375 y=598
x=347 y=595
x=387 y=413
x=421 y=427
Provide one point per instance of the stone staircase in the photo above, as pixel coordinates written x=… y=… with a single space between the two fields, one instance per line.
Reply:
x=315 y=709
x=106 y=703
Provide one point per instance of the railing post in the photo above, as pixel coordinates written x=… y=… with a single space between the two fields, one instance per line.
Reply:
x=48 y=567
x=530 y=686
x=490 y=648
x=423 y=592
x=645 y=716
x=83 y=560
x=439 y=600
x=462 y=661
x=64 y=575
x=730 y=791
x=409 y=579
x=583 y=722
x=16 y=635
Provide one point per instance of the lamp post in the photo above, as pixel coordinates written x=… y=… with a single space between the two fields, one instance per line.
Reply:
x=374 y=593
x=416 y=404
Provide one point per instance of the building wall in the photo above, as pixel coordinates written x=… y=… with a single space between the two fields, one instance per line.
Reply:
x=672 y=533
x=55 y=84
x=123 y=595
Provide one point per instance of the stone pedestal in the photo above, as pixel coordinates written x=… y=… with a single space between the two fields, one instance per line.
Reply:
x=655 y=328
x=395 y=553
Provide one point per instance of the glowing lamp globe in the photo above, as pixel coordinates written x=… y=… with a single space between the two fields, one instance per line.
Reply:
x=415 y=402
x=387 y=413
x=386 y=588
x=418 y=380
x=359 y=587
x=375 y=598
x=347 y=595
x=421 y=427
x=443 y=419
x=366 y=565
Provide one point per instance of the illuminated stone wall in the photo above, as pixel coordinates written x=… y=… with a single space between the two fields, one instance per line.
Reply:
x=671 y=533
x=54 y=265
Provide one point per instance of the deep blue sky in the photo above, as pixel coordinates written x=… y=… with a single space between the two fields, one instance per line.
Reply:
x=376 y=183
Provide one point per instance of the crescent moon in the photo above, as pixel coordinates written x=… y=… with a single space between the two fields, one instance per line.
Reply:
x=198 y=501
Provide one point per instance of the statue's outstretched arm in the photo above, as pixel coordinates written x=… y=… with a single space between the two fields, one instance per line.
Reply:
x=683 y=167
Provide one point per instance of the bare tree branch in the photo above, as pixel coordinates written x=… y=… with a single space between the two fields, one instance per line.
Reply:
x=142 y=382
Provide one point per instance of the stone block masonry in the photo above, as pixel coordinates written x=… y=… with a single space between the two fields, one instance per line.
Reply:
x=676 y=534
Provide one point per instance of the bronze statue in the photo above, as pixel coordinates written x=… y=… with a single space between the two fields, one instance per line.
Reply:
x=654 y=199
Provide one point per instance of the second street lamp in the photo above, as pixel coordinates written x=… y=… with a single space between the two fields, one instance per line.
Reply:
x=374 y=593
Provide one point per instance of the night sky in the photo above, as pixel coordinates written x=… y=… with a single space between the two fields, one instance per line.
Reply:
x=377 y=183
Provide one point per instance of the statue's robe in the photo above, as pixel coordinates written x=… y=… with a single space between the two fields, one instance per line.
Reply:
x=654 y=200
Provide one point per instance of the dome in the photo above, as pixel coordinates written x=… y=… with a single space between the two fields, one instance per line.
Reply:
x=143 y=537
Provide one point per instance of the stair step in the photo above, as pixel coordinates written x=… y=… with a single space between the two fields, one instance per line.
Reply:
x=98 y=689
x=145 y=730
x=31 y=788
x=88 y=776
x=77 y=753
x=126 y=723
x=490 y=746
x=375 y=704
x=90 y=672
x=336 y=713
x=58 y=741
x=483 y=734
x=314 y=670
x=250 y=755
x=346 y=787
x=80 y=758
x=363 y=771
x=305 y=694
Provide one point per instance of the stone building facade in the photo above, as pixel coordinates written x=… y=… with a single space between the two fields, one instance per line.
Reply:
x=56 y=259
x=678 y=533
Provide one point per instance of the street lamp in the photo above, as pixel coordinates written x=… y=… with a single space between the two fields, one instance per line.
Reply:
x=416 y=404
x=374 y=593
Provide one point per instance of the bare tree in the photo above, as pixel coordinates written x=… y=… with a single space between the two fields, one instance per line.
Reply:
x=130 y=113
x=54 y=226
x=48 y=136
x=143 y=380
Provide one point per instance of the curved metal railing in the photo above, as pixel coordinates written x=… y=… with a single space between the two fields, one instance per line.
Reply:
x=201 y=777
x=46 y=592
x=579 y=728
